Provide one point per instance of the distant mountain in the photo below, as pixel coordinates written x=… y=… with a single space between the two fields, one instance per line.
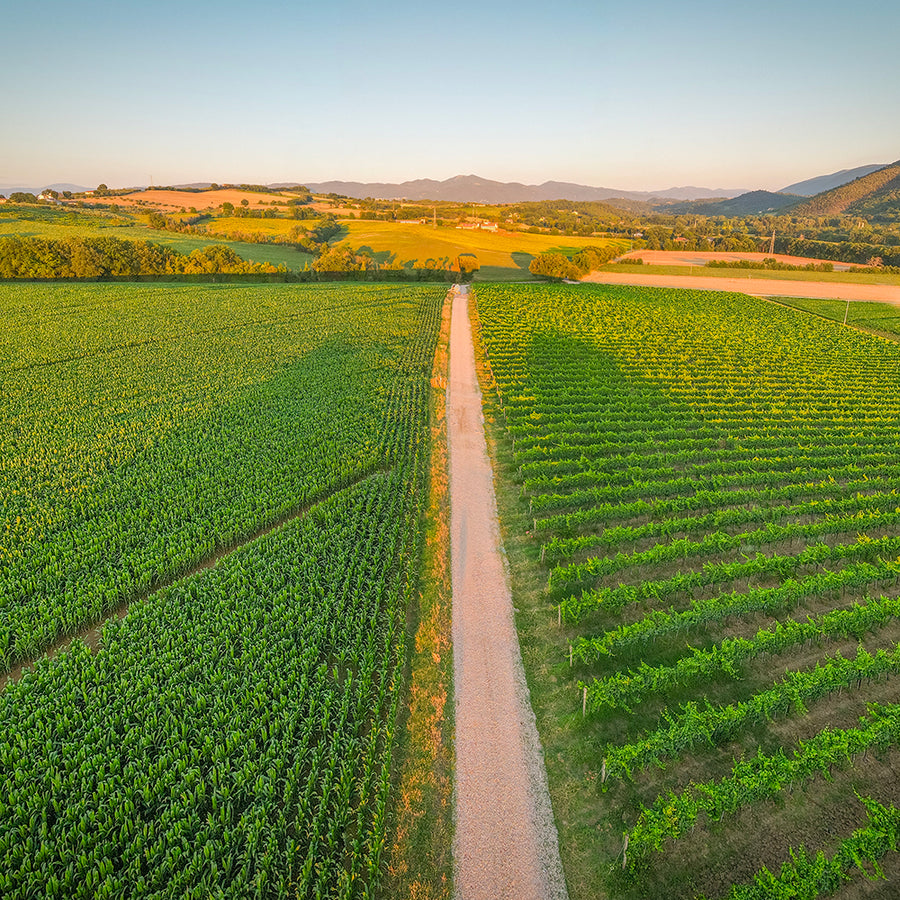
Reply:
x=875 y=196
x=12 y=189
x=753 y=203
x=813 y=186
x=472 y=189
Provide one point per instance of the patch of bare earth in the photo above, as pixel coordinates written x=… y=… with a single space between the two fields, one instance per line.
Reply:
x=757 y=287
x=700 y=258
x=506 y=844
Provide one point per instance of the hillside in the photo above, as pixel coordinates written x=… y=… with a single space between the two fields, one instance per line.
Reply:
x=812 y=186
x=873 y=195
x=753 y=203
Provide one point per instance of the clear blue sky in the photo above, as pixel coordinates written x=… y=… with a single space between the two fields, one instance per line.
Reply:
x=638 y=96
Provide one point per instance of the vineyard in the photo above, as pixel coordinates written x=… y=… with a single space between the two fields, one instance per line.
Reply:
x=706 y=489
x=232 y=734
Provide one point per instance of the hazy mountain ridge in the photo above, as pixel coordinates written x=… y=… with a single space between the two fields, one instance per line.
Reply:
x=473 y=189
x=821 y=183
x=753 y=203
x=8 y=189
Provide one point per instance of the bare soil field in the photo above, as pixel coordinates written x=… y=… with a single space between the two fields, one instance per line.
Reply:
x=700 y=258
x=175 y=200
x=757 y=287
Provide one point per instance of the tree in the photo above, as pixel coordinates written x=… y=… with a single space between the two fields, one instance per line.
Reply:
x=468 y=265
x=552 y=265
x=338 y=259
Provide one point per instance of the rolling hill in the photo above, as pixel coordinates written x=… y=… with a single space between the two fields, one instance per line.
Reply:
x=753 y=203
x=875 y=196
x=812 y=186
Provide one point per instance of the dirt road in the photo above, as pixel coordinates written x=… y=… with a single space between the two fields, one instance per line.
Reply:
x=757 y=287
x=506 y=844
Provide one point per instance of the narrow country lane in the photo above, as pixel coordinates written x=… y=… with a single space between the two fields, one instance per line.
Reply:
x=506 y=843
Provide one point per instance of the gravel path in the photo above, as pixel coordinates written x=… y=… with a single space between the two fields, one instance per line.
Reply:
x=506 y=843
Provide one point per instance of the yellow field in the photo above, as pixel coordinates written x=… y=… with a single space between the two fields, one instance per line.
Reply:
x=232 y=225
x=501 y=255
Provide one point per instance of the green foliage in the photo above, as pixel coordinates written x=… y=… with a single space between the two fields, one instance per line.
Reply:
x=556 y=265
x=805 y=876
x=712 y=481
x=565 y=216
x=96 y=257
x=234 y=732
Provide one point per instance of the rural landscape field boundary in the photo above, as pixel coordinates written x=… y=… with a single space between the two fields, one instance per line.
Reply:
x=756 y=287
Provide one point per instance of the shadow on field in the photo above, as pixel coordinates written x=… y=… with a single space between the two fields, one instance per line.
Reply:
x=382 y=257
x=522 y=260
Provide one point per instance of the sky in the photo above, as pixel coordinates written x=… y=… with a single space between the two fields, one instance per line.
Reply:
x=726 y=94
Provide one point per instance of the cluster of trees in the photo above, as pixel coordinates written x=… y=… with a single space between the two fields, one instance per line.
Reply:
x=563 y=216
x=768 y=263
x=396 y=213
x=557 y=265
x=244 y=212
x=845 y=251
x=98 y=257
x=316 y=240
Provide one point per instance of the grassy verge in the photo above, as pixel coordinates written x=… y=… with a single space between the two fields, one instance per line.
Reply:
x=420 y=861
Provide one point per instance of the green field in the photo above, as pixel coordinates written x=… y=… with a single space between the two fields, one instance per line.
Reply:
x=233 y=734
x=880 y=317
x=698 y=495
x=501 y=255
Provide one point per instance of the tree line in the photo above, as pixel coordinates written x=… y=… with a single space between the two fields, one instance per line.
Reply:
x=97 y=257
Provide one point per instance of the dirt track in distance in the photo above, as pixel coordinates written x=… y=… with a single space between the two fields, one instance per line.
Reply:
x=758 y=287
x=506 y=845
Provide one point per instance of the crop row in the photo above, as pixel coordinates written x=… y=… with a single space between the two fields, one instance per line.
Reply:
x=124 y=470
x=625 y=689
x=761 y=777
x=717 y=459
x=695 y=726
x=808 y=876
x=860 y=509
x=233 y=734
